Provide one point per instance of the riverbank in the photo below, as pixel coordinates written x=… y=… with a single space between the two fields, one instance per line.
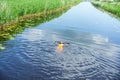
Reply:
x=17 y=25
x=12 y=9
x=112 y=7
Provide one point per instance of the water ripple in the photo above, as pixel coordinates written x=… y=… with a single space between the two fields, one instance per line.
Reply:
x=32 y=55
x=75 y=62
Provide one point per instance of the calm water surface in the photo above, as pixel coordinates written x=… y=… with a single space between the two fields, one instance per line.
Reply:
x=93 y=53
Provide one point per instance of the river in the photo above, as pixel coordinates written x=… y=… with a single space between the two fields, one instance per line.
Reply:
x=93 y=53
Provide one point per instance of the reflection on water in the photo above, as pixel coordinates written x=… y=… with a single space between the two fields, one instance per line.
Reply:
x=91 y=55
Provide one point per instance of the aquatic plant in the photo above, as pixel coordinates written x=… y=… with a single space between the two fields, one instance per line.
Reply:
x=12 y=9
x=17 y=25
x=112 y=7
x=1 y=47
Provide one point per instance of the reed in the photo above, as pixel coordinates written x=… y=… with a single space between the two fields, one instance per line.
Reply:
x=26 y=17
x=12 y=9
x=112 y=7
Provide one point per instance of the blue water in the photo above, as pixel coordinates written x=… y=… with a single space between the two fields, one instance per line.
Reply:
x=93 y=53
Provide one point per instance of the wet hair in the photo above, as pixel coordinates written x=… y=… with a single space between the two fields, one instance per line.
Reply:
x=60 y=42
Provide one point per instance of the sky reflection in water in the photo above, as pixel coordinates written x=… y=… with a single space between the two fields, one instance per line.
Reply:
x=93 y=54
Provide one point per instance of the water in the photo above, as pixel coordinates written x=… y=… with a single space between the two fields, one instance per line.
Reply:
x=93 y=53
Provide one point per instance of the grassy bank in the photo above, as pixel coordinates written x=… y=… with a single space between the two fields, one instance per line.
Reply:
x=29 y=13
x=112 y=7
x=11 y=9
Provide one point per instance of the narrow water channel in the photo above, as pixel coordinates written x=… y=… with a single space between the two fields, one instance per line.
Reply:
x=93 y=53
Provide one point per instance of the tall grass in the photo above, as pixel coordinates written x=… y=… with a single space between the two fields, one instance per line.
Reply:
x=16 y=15
x=112 y=7
x=11 y=9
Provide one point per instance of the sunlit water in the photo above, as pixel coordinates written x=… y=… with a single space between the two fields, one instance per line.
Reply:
x=93 y=53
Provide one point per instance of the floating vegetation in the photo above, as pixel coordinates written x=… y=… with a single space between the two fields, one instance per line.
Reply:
x=112 y=7
x=1 y=47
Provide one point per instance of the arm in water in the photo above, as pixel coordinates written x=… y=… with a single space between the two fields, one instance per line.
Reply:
x=60 y=45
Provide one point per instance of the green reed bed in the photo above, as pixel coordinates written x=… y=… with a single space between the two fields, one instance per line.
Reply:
x=11 y=9
x=112 y=7
x=16 y=15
